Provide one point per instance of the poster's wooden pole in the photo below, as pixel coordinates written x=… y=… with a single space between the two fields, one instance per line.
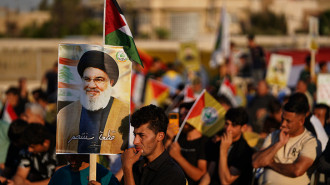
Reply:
x=313 y=56
x=92 y=167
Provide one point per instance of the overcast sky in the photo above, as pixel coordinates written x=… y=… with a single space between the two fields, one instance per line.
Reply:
x=22 y=5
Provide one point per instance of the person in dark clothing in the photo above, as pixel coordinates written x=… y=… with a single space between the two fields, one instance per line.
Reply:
x=37 y=162
x=189 y=150
x=324 y=164
x=51 y=79
x=13 y=101
x=257 y=57
x=15 y=135
x=245 y=67
x=156 y=167
x=273 y=120
x=259 y=106
x=229 y=160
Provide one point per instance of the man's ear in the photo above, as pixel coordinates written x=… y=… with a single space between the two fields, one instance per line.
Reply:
x=244 y=128
x=46 y=143
x=302 y=120
x=112 y=82
x=160 y=136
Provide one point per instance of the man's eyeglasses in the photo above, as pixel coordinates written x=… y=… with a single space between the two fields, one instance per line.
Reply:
x=97 y=80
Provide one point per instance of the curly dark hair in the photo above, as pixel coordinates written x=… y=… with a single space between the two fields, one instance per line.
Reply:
x=153 y=115
x=237 y=115
x=36 y=134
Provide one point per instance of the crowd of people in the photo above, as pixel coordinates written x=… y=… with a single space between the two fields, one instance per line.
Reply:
x=267 y=138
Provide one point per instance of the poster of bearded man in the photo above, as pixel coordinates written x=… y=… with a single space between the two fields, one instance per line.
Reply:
x=93 y=99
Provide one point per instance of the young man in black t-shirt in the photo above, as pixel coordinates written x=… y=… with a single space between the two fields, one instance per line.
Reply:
x=189 y=151
x=155 y=167
x=230 y=158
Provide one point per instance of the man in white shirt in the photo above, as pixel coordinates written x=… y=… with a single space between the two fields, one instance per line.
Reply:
x=288 y=153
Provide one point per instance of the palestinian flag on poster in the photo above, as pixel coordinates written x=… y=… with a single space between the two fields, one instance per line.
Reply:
x=117 y=32
x=9 y=114
x=206 y=115
x=156 y=92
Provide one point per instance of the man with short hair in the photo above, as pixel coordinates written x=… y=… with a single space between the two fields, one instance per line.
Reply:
x=189 y=151
x=156 y=167
x=35 y=113
x=91 y=124
x=288 y=153
x=229 y=160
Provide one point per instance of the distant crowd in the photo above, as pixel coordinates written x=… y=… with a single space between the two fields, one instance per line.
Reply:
x=268 y=136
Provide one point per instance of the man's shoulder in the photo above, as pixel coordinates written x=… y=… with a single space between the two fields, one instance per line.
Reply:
x=242 y=147
x=308 y=136
x=171 y=169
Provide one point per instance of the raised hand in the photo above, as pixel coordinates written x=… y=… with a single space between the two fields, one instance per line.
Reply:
x=284 y=137
x=129 y=157
x=226 y=141
x=175 y=150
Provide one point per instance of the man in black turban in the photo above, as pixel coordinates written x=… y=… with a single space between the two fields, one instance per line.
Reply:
x=91 y=124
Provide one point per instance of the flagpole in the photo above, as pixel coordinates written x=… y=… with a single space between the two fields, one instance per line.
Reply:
x=93 y=157
x=185 y=119
x=104 y=10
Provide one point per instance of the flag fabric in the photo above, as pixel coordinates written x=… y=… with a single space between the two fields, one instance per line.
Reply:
x=222 y=45
x=136 y=90
x=156 y=92
x=117 y=32
x=206 y=115
x=229 y=90
x=189 y=94
x=9 y=114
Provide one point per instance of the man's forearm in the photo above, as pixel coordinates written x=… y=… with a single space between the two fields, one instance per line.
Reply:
x=284 y=169
x=192 y=171
x=264 y=157
x=128 y=177
x=224 y=172
x=296 y=169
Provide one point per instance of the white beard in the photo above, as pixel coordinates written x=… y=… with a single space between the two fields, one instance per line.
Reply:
x=96 y=103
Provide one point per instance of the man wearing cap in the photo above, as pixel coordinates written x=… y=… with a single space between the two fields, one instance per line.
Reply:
x=92 y=124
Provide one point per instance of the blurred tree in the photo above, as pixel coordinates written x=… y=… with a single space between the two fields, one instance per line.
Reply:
x=324 y=23
x=69 y=17
x=66 y=17
x=267 y=23
x=43 y=5
x=162 y=33
x=11 y=27
x=91 y=27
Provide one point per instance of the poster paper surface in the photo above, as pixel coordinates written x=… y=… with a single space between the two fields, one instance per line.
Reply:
x=93 y=99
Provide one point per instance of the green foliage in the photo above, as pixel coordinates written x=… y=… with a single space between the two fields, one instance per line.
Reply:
x=69 y=17
x=144 y=35
x=91 y=27
x=324 y=22
x=267 y=23
x=162 y=33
